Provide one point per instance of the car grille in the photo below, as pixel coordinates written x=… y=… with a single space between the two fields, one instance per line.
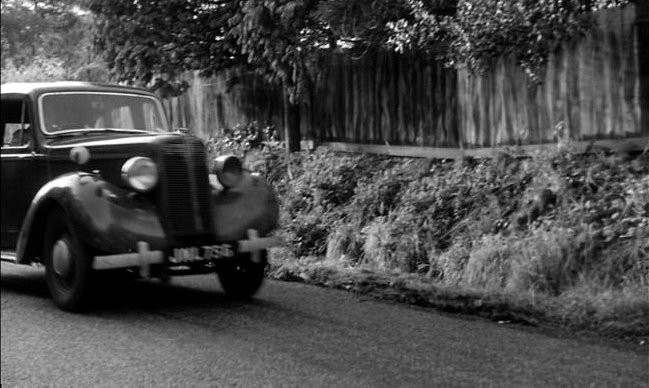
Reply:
x=185 y=188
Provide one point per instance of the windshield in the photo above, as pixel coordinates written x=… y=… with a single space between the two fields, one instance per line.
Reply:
x=86 y=112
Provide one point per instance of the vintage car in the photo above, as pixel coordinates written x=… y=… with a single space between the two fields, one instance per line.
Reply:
x=94 y=181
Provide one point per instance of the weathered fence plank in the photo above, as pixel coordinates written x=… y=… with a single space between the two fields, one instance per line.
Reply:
x=592 y=87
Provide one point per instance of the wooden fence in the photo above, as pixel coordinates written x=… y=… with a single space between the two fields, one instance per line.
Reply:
x=592 y=87
x=595 y=89
x=226 y=100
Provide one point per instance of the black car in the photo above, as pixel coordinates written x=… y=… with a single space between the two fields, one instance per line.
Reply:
x=93 y=179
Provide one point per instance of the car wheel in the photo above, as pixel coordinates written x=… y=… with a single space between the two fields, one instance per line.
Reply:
x=67 y=267
x=242 y=278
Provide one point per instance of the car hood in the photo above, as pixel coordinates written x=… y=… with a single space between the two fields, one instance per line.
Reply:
x=105 y=152
x=102 y=140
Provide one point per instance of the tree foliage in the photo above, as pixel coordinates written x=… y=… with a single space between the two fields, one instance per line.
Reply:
x=281 y=40
x=141 y=39
x=46 y=29
x=287 y=40
x=482 y=30
x=39 y=69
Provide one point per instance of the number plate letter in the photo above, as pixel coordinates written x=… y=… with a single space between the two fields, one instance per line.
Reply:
x=218 y=251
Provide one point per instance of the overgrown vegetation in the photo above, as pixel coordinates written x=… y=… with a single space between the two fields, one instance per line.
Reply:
x=286 y=40
x=480 y=31
x=46 y=40
x=565 y=235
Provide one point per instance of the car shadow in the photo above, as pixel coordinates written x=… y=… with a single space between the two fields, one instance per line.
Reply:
x=128 y=293
x=122 y=293
x=29 y=282
x=197 y=300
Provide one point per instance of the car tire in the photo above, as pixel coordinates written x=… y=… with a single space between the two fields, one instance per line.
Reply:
x=67 y=266
x=242 y=278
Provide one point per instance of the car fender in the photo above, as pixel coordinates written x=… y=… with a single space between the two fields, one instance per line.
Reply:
x=250 y=205
x=105 y=216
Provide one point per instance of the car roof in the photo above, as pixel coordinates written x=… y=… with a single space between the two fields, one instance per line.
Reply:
x=37 y=88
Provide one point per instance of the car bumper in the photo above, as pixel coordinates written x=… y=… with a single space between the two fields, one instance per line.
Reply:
x=145 y=258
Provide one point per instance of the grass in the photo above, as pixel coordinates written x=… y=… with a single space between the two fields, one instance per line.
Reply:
x=620 y=313
x=555 y=239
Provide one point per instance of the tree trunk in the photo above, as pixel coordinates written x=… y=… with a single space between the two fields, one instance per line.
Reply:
x=291 y=124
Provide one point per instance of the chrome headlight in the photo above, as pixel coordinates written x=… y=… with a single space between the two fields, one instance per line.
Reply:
x=228 y=170
x=140 y=173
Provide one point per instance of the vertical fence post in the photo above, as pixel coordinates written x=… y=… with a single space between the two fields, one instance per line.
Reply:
x=642 y=28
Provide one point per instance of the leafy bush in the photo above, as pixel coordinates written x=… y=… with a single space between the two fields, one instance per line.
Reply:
x=47 y=69
x=392 y=243
x=242 y=139
x=449 y=266
x=307 y=235
x=548 y=261
x=380 y=190
x=322 y=184
x=344 y=243
x=489 y=263
x=41 y=69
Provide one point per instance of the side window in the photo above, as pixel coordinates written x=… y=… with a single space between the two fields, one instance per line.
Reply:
x=15 y=124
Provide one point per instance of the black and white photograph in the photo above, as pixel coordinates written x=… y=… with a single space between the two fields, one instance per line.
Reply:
x=324 y=193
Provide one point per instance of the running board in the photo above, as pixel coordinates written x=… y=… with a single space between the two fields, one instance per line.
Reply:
x=9 y=256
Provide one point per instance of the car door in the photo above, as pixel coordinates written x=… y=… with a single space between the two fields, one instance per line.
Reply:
x=22 y=166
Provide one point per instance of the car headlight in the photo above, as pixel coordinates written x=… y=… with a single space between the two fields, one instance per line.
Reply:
x=140 y=173
x=228 y=170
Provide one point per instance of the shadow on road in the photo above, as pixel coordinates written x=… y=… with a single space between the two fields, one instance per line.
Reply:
x=29 y=282
x=122 y=295
x=194 y=300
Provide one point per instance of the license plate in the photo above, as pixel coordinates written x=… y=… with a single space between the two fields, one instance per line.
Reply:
x=206 y=252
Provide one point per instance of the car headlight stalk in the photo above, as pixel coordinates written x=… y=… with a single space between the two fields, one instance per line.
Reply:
x=140 y=173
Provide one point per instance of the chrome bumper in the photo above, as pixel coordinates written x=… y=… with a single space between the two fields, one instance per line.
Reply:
x=144 y=257
x=254 y=244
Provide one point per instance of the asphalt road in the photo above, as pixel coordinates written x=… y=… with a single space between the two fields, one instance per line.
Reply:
x=187 y=334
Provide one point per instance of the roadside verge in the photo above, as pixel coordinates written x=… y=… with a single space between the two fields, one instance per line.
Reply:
x=504 y=308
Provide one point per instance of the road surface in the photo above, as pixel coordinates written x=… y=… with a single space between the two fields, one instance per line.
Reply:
x=188 y=334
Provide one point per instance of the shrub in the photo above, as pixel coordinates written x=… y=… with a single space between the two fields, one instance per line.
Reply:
x=548 y=227
x=41 y=69
x=380 y=190
x=449 y=266
x=345 y=244
x=547 y=261
x=241 y=139
x=543 y=225
x=392 y=243
x=489 y=262
x=307 y=235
